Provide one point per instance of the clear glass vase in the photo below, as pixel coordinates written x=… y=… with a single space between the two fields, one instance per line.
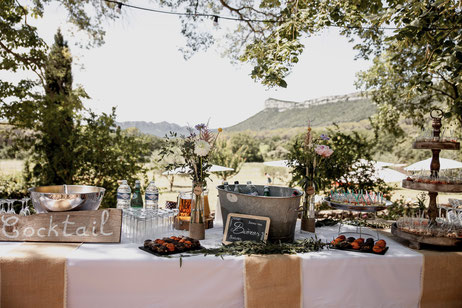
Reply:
x=308 y=214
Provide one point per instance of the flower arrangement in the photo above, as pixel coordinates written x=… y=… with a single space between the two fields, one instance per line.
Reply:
x=195 y=150
x=306 y=159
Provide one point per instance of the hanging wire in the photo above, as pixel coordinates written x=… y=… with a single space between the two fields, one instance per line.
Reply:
x=216 y=17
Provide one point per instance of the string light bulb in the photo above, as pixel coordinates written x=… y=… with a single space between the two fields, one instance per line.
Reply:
x=215 y=21
x=119 y=7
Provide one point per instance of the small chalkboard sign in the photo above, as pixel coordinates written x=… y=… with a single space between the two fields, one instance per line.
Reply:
x=240 y=227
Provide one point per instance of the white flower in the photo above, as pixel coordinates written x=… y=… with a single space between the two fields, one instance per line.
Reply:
x=202 y=148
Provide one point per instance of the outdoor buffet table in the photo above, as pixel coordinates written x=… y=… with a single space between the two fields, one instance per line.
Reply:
x=121 y=275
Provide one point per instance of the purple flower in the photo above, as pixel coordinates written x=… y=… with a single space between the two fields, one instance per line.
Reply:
x=324 y=137
x=200 y=126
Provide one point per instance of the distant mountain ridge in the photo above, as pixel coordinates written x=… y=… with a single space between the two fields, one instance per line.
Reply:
x=277 y=113
x=158 y=129
x=319 y=112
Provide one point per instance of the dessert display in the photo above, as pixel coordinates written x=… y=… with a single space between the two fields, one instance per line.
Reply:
x=428 y=141
x=434 y=180
x=359 y=244
x=421 y=226
x=362 y=201
x=436 y=139
x=440 y=225
x=357 y=198
x=171 y=245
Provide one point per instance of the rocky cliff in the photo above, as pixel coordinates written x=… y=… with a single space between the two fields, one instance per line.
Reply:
x=282 y=105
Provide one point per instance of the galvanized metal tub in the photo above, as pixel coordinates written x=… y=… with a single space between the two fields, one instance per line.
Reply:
x=281 y=207
x=61 y=198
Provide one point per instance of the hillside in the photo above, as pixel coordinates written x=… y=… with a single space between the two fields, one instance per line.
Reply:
x=319 y=115
x=157 y=129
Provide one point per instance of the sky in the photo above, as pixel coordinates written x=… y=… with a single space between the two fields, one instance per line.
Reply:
x=141 y=71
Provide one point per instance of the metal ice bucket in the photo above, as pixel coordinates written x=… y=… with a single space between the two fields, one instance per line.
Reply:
x=281 y=207
x=61 y=198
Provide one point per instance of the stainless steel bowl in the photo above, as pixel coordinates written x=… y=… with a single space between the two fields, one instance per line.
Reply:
x=61 y=198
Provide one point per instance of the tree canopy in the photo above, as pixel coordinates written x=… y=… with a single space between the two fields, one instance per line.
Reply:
x=415 y=45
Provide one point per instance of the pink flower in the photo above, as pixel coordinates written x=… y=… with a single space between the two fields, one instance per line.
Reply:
x=323 y=150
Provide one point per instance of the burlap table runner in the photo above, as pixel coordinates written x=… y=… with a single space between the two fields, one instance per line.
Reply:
x=442 y=274
x=34 y=275
x=273 y=281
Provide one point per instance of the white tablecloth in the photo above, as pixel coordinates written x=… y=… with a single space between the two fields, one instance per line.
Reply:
x=121 y=275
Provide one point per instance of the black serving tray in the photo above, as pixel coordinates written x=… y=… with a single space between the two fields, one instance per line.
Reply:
x=169 y=253
x=362 y=251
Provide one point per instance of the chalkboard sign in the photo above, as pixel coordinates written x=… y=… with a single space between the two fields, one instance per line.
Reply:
x=240 y=227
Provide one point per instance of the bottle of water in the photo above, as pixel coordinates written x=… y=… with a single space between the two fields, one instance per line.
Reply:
x=151 y=196
x=236 y=186
x=226 y=186
x=252 y=189
x=123 y=195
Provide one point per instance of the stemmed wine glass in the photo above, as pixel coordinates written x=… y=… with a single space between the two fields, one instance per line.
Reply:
x=2 y=208
x=10 y=206
x=24 y=207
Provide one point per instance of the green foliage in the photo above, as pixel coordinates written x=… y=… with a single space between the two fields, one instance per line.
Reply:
x=264 y=248
x=225 y=156
x=70 y=146
x=107 y=154
x=252 y=147
x=320 y=115
x=15 y=143
x=401 y=207
x=54 y=120
x=308 y=167
x=12 y=186
x=348 y=149
x=21 y=48
x=420 y=65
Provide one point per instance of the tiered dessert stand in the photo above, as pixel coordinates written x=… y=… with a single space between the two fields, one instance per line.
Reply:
x=357 y=208
x=433 y=186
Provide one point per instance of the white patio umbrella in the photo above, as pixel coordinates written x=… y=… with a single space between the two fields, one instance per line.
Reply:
x=389 y=175
x=276 y=163
x=425 y=165
x=214 y=168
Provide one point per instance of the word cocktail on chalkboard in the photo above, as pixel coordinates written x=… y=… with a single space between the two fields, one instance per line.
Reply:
x=240 y=227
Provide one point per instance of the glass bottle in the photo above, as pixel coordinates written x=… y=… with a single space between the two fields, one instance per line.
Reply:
x=266 y=191
x=236 y=186
x=137 y=198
